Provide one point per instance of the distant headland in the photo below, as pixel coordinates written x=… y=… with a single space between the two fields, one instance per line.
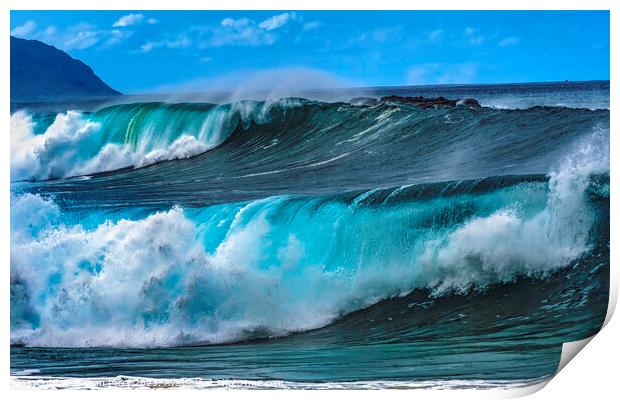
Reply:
x=40 y=72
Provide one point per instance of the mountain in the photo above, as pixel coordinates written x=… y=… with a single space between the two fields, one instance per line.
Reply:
x=42 y=72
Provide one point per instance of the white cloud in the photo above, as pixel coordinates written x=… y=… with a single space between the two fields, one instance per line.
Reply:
x=152 y=21
x=76 y=37
x=128 y=20
x=230 y=31
x=435 y=35
x=181 y=41
x=117 y=36
x=509 y=41
x=148 y=46
x=80 y=36
x=312 y=25
x=474 y=38
x=241 y=31
x=50 y=33
x=440 y=73
x=277 y=21
x=236 y=23
x=24 y=30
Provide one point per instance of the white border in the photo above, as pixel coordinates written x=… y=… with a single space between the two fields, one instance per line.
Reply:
x=313 y=5
x=593 y=372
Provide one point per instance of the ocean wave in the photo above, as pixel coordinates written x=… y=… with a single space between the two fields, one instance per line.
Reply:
x=307 y=134
x=284 y=264
x=130 y=135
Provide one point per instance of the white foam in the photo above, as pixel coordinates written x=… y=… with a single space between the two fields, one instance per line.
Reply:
x=132 y=382
x=184 y=147
x=75 y=145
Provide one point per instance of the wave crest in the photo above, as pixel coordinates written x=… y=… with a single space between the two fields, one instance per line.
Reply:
x=304 y=134
x=123 y=136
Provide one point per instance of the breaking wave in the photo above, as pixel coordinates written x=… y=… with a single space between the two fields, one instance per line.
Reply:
x=285 y=264
x=302 y=133
x=131 y=135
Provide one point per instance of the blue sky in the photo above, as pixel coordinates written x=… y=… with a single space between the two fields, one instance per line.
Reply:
x=144 y=51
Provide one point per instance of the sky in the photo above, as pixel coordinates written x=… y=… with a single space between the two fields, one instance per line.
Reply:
x=167 y=51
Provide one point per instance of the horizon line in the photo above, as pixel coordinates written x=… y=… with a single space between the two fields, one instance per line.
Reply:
x=431 y=85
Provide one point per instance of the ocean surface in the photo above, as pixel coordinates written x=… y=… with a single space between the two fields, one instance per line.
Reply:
x=309 y=242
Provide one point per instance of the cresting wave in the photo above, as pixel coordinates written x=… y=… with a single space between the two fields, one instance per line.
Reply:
x=309 y=133
x=284 y=264
x=76 y=143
